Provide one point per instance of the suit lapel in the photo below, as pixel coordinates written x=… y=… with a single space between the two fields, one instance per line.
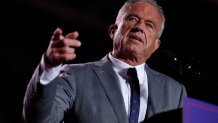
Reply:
x=155 y=93
x=109 y=81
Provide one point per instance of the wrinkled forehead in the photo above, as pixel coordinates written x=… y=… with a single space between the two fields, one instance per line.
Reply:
x=142 y=9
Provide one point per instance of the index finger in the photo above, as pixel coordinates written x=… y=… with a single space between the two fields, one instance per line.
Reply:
x=72 y=35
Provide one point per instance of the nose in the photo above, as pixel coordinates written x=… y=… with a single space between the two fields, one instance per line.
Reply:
x=137 y=29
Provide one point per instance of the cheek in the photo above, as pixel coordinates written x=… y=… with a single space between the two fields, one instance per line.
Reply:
x=121 y=33
x=123 y=29
x=151 y=47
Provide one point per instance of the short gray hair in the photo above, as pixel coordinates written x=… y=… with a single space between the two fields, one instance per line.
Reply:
x=159 y=8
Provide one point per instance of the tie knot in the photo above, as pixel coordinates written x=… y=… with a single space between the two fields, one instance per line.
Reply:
x=132 y=72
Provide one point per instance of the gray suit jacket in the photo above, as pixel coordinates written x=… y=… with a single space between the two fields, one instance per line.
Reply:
x=90 y=93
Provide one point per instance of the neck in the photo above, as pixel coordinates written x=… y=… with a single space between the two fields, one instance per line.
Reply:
x=129 y=59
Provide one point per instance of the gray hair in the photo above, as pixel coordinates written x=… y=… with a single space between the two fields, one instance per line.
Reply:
x=159 y=8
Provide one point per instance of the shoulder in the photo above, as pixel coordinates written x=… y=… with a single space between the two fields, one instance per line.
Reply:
x=79 y=67
x=163 y=78
x=86 y=67
x=168 y=84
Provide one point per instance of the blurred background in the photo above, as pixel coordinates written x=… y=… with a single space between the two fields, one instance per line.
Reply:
x=187 y=53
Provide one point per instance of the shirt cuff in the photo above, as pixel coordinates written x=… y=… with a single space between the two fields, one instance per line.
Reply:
x=49 y=72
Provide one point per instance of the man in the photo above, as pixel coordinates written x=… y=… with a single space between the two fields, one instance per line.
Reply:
x=100 y=92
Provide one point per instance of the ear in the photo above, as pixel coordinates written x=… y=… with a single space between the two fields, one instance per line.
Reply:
x=112 y=29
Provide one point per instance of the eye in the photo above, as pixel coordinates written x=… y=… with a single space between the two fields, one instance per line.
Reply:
x=132 y=19
x=149 y=25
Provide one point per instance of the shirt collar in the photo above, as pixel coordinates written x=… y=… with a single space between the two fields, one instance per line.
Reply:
x=122 y=67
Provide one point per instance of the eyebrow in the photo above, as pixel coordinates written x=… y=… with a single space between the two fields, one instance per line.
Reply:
x=132 y=14
x=147 y=20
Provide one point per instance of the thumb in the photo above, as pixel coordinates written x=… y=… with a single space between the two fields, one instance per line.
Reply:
x=56 y=34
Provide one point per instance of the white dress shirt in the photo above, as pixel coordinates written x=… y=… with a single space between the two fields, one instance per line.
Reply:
x=121 y=68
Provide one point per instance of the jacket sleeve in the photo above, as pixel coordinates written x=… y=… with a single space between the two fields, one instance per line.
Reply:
x=47 y=103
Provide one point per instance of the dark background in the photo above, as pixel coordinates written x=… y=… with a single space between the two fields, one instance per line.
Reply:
x=187 y=53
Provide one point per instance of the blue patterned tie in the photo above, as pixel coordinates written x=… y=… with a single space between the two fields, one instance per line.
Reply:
x=135 y=96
